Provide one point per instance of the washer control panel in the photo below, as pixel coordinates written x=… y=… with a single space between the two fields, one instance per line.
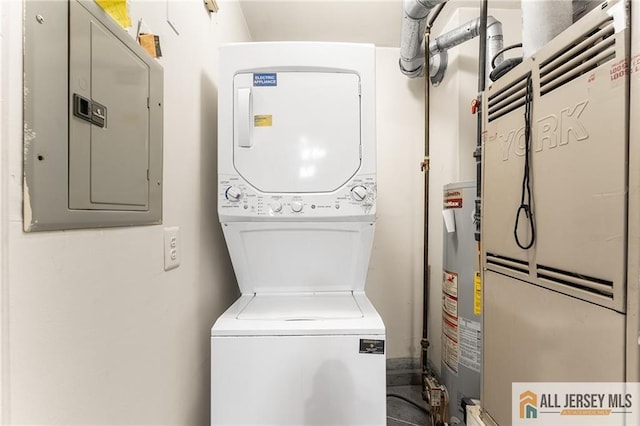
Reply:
x=237 y=198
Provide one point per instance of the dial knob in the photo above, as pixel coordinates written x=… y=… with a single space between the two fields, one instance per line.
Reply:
x=359 y=193
x=276 y=206
x=296 y=206
x=233 y=193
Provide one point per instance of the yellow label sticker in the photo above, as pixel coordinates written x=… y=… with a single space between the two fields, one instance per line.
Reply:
x=477 y=293
x=117 y=9
x=262 y=121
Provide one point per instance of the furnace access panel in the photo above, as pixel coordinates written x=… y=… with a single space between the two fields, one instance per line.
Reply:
x=92 y=123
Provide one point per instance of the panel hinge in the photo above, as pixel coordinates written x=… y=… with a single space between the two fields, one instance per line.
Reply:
x=148 y=103
x=147 y=174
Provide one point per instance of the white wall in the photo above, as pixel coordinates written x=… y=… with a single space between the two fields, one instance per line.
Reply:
x=3 y=207
x=453 y=140
x=96 y=331
x=394 y=283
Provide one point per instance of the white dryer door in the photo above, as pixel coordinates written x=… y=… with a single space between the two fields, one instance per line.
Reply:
x=297 y=132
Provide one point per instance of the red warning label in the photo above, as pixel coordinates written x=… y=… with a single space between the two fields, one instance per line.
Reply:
x=453 y=199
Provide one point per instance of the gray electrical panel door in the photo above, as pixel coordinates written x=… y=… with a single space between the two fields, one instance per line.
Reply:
x=108 y=161
x=92 y=120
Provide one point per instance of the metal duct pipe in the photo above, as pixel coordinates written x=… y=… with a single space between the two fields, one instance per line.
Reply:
x=542 y=20
x=467 y=31
x=485 y=58
x=414 y=22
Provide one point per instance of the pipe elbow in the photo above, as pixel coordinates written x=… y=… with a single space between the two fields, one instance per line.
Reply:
x=415 y=73
x=411 y=44
x=419 y=9
x=495 y=42
x=494 y=27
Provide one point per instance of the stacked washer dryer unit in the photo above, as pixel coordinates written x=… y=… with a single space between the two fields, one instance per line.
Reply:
x=297 y=202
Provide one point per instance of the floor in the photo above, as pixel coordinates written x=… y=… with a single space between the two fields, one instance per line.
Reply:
x=402 y=413
x=403 y=379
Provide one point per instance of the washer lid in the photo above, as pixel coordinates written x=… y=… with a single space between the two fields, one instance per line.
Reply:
x=297 y=132
x=301 y=307
x=276 y=315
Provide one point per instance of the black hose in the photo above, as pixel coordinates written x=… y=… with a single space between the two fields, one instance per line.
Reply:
x=405 y=399
x=525 y=197
x=501 y=51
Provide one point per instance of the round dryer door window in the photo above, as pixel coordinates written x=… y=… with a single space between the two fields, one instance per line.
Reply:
x=297 y=132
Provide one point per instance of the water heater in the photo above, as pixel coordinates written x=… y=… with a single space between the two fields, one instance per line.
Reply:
x=461 y=307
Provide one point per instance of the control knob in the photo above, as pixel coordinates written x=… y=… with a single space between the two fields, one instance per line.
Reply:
x=233 y=194
x=296 y=206
x=359 y=193
x=276 y=206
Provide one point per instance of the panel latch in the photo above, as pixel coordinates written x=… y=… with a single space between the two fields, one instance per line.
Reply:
x=90 y=111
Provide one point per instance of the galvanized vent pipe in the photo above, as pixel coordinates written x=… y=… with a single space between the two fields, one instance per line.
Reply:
x=414 y=22
x=412 y=49
x=438 y=47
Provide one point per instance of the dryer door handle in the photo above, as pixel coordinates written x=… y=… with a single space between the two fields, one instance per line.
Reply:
x=244 y=114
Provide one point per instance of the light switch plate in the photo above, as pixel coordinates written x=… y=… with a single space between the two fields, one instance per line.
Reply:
x=171 y=248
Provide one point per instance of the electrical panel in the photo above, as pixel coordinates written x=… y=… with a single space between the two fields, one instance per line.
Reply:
x=92 y=123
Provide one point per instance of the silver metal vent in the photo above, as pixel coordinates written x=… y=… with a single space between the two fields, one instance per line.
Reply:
x=508 y=99
x=574 y=280
x=584 y=54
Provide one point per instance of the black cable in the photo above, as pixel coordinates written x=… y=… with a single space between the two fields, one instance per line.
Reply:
x=405 y=399
x=501 y=51
x=525 y=199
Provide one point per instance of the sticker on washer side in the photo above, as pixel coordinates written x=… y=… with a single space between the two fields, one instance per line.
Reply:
x=371 y=346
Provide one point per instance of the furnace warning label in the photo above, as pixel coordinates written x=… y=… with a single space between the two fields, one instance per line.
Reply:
x=470 y=333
